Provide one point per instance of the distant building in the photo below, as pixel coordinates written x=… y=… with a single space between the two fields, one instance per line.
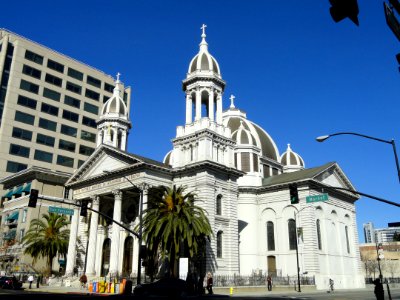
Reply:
x=394 y=224
x=369 y=232
x=384 y=235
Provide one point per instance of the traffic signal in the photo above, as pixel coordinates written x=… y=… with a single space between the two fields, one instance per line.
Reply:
x=342 y=9
x=84 y=206
x=33 y=196
x=294 y=195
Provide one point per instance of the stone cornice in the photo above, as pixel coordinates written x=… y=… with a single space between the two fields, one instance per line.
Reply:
x=208 y=165
x=193 y=79
x=125 y=122
x=203 y=133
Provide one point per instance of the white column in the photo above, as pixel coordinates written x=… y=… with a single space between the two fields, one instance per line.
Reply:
x=189 y=106
x=115 y=232
x=71 y=257
x=144 y=200
x=123 y=140
x=115 y=137
x=219 y=109
x=99 y=138
x=94 y=221
x=198 y=105
x=211 y=105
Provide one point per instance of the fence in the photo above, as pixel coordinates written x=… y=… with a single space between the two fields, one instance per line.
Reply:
x=259 y=280
x=369 y=280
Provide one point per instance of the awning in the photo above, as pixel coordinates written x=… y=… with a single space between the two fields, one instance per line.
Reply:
x=13 y=216
x=10 y=235
x=18 y=191
x=8 y=194
x=27 y=187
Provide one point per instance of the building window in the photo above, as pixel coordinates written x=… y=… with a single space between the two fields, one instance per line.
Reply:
x=270 y=236
x=108 y=87
x=75 y=74
x=92 y=94
x=43 y=156
x=68 y=130
x=218 y=205
x=88 y=136
x=55 y=66
x=80 y=163
x=49 y=109
x=89 y=122
x=69 y=115
x=66 y=145
x=72 y=101
x=25 y=101
x=319 y=234
x=53 y=95
x=24 y=215
x=219 y=244
x=47 y=124
x=84 y=150
x=24 y=118
x=255 y=162
x=19 y=150
x=29 y=86
x=65 y=161
x=73 y=88
x=45 y=140
x=22 y=134
x=34 y=57
x=53 y=80
x=246 y=162
x=93 y=81
x=14 y=167
x=27 y=70
x=346 y=230
x=91 y=108
x=292 y=234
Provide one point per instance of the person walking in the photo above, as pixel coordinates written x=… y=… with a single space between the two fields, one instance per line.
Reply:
x=30 y=280
x=331 y=285
x=378 y=290
x=209 y=283
x=269 y=282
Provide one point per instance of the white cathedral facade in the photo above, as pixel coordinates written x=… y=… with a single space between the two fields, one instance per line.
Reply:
x=241 y=180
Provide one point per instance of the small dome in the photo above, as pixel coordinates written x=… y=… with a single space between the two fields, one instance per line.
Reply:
x=204 y=62
x=243 y=136
x=115 y=106
x=291 y=160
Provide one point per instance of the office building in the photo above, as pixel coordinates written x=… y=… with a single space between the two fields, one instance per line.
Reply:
x=369 y=232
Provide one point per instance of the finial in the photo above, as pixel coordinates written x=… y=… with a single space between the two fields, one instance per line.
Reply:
x=203 y=27
x=288 y=147
x=232 y=98
x=118 y=74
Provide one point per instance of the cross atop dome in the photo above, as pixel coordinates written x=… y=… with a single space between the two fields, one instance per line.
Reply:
x=232 y=98
x=118 y=74
x=203 y=27
x=203 y=44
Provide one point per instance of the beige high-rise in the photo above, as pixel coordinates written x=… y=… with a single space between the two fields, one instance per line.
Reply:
x=49 y=106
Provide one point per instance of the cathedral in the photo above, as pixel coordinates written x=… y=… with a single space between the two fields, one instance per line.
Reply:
x=241 y=180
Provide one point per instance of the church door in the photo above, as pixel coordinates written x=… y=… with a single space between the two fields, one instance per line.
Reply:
x=272 y=265
x=128 y=253
x=105 y=261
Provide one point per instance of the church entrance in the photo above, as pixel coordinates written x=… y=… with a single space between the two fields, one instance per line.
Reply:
x=271 y=261
x=128 y=257
x=105 y=260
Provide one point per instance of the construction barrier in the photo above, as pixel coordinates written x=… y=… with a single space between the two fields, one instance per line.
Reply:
x=102 y=287
x=90 y=287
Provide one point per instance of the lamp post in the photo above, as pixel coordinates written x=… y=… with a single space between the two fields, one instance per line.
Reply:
x=141 y=188
x=325 y=137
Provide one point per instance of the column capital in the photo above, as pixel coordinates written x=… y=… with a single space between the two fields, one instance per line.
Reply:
x=117 y=193
x=95 y=199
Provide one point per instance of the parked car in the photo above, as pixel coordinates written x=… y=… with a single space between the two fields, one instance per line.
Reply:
x=10 y=282
x=168 y=287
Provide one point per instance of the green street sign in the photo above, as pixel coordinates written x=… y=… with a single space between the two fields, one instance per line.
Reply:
x=61 y=210
x=317 y=198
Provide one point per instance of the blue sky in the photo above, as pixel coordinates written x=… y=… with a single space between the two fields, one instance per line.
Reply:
x=293 y=70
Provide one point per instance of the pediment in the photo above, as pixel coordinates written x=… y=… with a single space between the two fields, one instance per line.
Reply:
x=105 y=158
x=334 y=176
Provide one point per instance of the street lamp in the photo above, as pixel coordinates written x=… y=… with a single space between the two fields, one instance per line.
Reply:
x=325 y=137
x=140 y=235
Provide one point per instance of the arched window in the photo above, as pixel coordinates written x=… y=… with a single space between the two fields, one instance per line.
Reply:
x=218 y=205
x=346 y=230
x=219 y=244
x=319 y=235
x=128 y=257
x=270 y=236
x=292 y=234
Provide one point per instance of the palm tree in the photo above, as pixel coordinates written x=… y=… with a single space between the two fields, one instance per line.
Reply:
x=172 y=221
x=47 y=237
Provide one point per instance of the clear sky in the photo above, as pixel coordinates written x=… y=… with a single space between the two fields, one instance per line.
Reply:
x=293 y=70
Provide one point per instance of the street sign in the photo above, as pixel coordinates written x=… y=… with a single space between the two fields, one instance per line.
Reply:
x=317 y=198
x=391 y=20
x=61 y=210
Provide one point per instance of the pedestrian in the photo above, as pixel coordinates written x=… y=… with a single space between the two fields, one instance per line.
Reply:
x=269 y=282
x=75 y=271
x=38 y=281
x=83 y=280
x=331 y=283
x=209 y=283
x=30 y=280
x=378 y=290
